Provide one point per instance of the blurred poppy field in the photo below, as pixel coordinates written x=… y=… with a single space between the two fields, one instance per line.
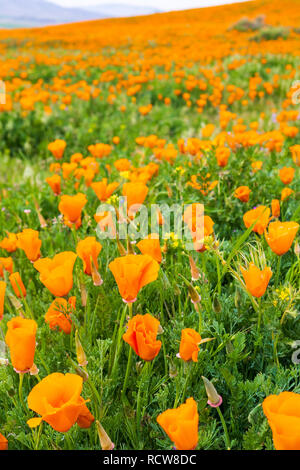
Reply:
x=138 y=342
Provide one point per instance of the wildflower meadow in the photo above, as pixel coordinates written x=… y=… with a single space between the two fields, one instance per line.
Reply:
x=149 y=232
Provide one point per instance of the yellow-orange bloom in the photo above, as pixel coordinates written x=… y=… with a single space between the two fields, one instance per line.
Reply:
x=57 y=399
x=9 y=243
x=242 y=193
x=188 y=349
x=283 y=414
x=71 y=207
x=280 y=236
x=132 y=272
x=287 y=174
x=3 y=442
x=7 y=265
x=88 y=249
x=261 y=214
x=57 y=148
x=17 y=284
x=54 y=183
x=256 y=280
x=141 y=336
x=57 y=273
x=151 y=246
x=135 y=193
x=28 y=241
x=222 y=155
x=103 y=190
x=181 y=425
x=20 y=338
x=285 y=193
x=58 y=314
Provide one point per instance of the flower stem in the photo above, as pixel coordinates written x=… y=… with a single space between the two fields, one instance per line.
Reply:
x=227 y=440
x=21 y=377
x=127 y=373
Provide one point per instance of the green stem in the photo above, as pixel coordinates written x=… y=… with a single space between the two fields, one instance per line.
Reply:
x=277 y=271
x=227 y=440
x=127 y=372
x=21 y=377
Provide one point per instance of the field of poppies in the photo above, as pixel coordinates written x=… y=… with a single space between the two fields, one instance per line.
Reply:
x=135 y=327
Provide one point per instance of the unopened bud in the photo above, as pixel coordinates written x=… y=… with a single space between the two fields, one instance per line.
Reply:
x=83 y=293
x=216 y=305
x=15 y=302
x=105 y=441
x=121 y=248
x=194 y=270
x=160 y=330
x=81 y=357
x=214 y=399
x=97 y=279
x=297 y=249
x=130 y=250
x=237 y=298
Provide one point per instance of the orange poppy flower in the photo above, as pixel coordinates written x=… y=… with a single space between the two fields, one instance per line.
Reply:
x=3 y=442
x=57 y=148
x=283 y=414
x=287 y=174
x=181 y=425
x=242 y=193
x=57 y=399
x=2 y=295
x=123 y=164
x=261 y=214
x=275 y=206
x=7 y=265
x=188 y=350
x=257 y=165
x=88 y=249
x=54 y=183
x=222 y=155
x=151 y=246
x=141 y=336
x=9 y=243
x=132 y=272
x=136 y=194
x=58 y=314
x=71 y=207
x=285 y=193
x=17 y=284
x=57 y=273
x=28 y=241
x=256 y=280
x=295 y=150
x=20 y=338
x=103 y=190
x=68 y=168
x=280 y=236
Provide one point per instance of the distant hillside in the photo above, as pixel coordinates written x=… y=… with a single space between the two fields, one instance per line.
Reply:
x=121 y=10
x=28 y=13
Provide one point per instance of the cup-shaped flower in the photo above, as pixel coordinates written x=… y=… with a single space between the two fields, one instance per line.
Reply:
x=9 y=243
x=17 y=285
x=71 y=208
x=280 y=236
x=181 y=425
x=20 y=338
x=283 y=414
x=286 y=174
x=151 y=246
x=261 y=215
x=54 y=183
x=132 y=272
x=188 y=349
x=28 y=241
x=87 y=250
x=256 y=280
x=58 y=314
x=57 y=273
x=242 y=193
x=3 y=442
x=103 y=190
x=141 y=336
x=57 y=148
x=136 y=194
x=7 y=265
x=57 y=399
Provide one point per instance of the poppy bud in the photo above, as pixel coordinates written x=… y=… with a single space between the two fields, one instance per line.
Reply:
x=194 y=270
x=195 y=297
x=216 y=305
x=121 y=248
x=97 y=279
x=105 y=441
x=214 y=399
x=81 y=357
x=130 y=250
x=83 y=293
